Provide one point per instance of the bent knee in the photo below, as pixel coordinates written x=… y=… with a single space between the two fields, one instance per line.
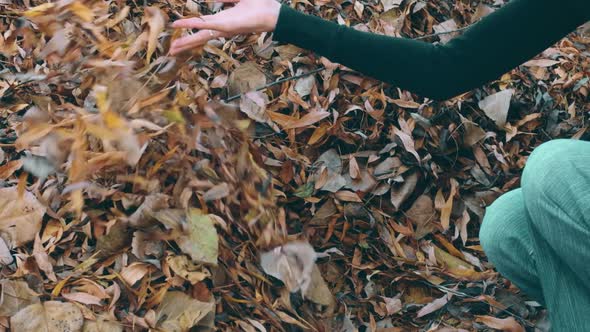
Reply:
x=501 y=218
x=549 y=163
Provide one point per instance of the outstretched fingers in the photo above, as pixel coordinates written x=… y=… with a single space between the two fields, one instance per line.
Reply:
x=195 y=40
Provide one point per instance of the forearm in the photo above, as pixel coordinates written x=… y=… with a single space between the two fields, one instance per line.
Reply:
x=498 y=43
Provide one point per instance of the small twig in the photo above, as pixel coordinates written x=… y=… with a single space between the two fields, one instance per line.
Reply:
x=443 y=33
x=461 y=294
x=232 y=98
x=315 y=71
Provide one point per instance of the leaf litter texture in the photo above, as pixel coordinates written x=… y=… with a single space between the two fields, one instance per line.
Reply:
x=134 y=198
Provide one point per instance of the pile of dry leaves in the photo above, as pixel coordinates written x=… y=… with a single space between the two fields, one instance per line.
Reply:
x=132 y=197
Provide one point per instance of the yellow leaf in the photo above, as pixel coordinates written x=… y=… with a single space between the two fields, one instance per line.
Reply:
x=39 y=10
x=82 y=11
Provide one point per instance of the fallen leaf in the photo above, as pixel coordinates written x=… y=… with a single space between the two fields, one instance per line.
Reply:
x=198 y=236
x=318 y=291
x=102 y=325
x=423 y=215
x=179 y=312
x=433 y=306
x=186 y=269
x=393 y=305
x=135 y=272
x=496 y=106
x=48 y=317
x=5 y=255
x=14 y=296
x=20 y=217
x=508 y=324
x=447 y=26
x=544 y=63
x=83 y=298
x=400 y=193
x=246 y=78
x=217 y=192
x=9 y=168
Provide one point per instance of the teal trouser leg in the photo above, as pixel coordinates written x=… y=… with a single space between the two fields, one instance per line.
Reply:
x=554 y=226
x=507 y=242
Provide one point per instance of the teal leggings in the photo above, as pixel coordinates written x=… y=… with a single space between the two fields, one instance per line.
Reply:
x=538 y=236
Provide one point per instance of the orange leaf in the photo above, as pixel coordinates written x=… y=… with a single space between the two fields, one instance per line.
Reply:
x=308 y=119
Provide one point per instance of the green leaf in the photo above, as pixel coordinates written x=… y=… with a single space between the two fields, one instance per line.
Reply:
x=305 y=190
x=201 y=243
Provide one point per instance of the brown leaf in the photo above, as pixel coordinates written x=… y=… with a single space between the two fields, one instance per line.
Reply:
x=14 y=296
x=217 y=192
x=423 y=215
x=185 y=268
x=399 y=194
x=353 y=168
x=20 y=217
x=307 y=120
x=156 y=20
x=83 y=298
x=48 y=317
x=433 y=306
x=180 y=312
x=407 y=141
x=9 y=168
x=508 y=324
x=246 y=78
x=445 y=213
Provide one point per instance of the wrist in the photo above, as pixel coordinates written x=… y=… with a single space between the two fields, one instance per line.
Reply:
x=272 y=16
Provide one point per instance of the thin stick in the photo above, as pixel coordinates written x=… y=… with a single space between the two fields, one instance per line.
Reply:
x=315 y=71
x=443 y=33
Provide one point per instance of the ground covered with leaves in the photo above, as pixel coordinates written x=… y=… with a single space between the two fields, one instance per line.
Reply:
x=135 y=196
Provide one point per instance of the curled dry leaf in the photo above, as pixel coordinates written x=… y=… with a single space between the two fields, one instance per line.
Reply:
x=20 y=217
x=186 y=269
x=48 y=316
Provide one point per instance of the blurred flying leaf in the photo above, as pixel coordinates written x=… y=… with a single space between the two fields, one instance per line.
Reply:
x=292 y=263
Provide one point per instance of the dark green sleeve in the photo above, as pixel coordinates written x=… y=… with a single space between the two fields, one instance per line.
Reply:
x=499 y=42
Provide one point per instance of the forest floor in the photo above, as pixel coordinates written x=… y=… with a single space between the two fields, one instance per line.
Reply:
x=134 y=197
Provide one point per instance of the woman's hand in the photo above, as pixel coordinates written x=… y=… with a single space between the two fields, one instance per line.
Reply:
x=246 y=16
